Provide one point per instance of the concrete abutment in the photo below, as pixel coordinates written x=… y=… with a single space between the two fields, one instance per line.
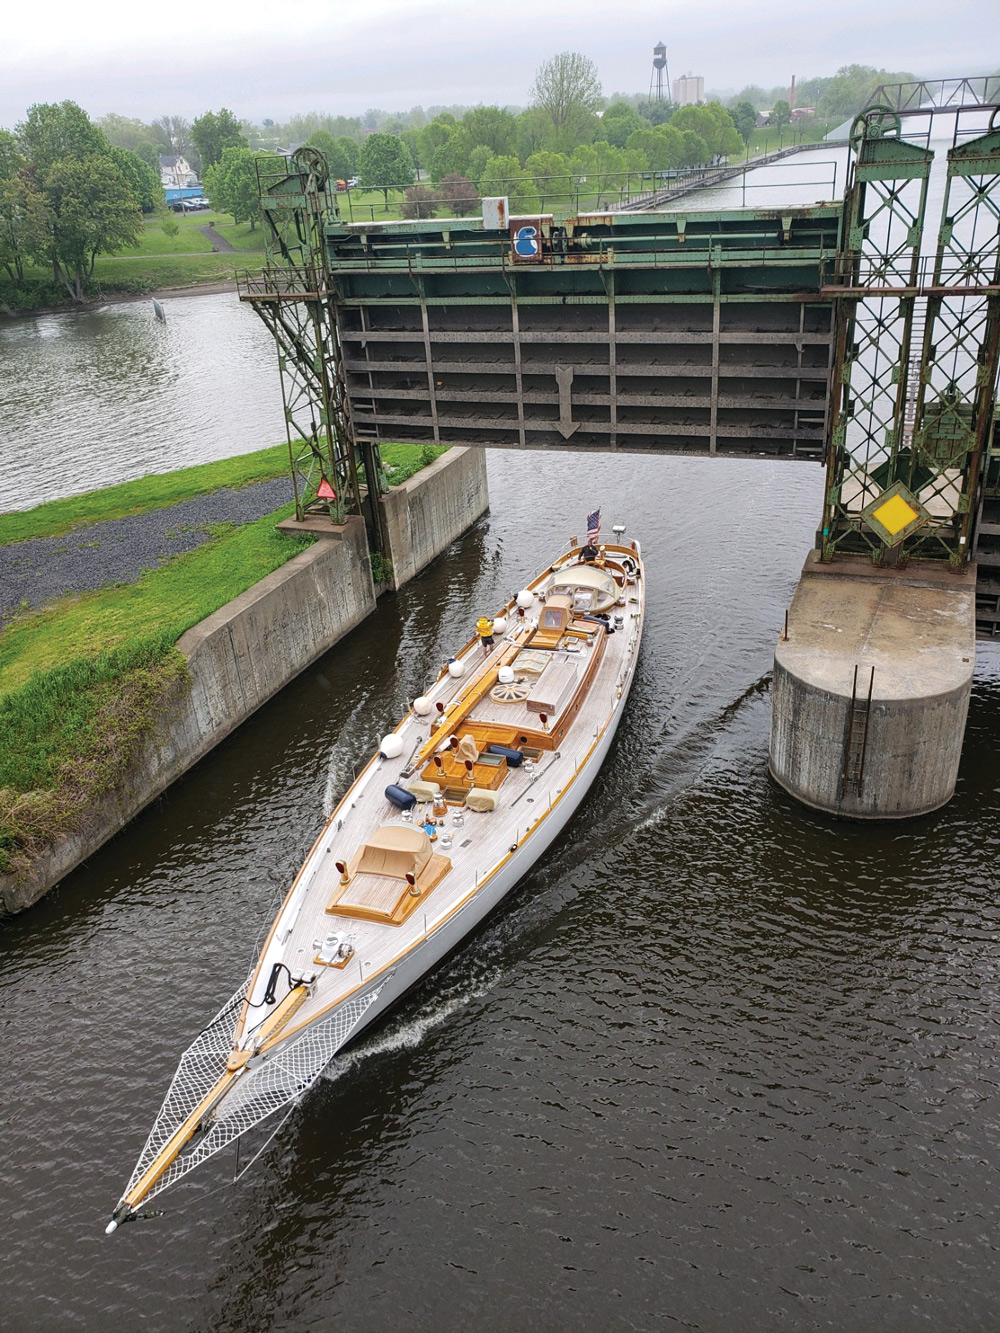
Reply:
x=876 y=744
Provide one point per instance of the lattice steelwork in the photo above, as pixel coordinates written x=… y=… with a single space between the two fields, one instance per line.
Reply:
x=959 y=363
x=877 y=273
x=917 y=351
x=293 y=298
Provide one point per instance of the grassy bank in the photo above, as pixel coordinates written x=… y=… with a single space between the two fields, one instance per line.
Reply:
x=158 y=260
x=136 y=497
x=83 y=681
x=157 y=491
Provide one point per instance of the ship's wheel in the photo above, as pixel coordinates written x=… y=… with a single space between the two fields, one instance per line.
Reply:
x=513 y=693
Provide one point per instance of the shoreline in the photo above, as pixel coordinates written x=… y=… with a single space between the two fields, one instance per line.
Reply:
x=215 y=288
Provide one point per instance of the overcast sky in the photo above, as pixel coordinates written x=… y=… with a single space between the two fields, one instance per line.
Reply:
x=183 y=57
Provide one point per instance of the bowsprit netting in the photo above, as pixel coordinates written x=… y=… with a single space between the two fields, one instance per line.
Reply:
x=258 y=1093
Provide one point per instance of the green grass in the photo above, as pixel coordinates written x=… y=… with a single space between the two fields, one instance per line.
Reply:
x=169 y=599
x=155 y=241
x=147 y=273
x=78 y=729
x=85 y=679
x=135 y=497
x=169 y=488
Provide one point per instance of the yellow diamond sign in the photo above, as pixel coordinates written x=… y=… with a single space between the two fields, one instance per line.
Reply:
x=895 y=514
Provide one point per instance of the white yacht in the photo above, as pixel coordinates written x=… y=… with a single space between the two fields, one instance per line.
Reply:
x=479 y=778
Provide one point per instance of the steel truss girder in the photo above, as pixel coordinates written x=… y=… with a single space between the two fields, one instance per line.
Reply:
x=293 y=297
x=883 y=223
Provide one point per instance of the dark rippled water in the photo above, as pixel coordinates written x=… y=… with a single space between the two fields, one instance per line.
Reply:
x=718 y=1063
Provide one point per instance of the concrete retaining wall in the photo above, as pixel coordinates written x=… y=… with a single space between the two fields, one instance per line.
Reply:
x=251 y=648
x=427 y=513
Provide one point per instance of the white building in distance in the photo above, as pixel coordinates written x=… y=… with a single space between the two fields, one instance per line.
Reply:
x=689 y=89
x=176 y=173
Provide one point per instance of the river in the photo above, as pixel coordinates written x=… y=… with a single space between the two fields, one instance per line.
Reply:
x=718 y=1062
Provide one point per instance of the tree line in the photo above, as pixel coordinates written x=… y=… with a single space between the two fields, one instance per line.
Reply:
x=72 y=189
x=68 y=195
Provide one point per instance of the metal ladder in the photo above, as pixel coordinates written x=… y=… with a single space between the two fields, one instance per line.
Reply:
x=856 y=741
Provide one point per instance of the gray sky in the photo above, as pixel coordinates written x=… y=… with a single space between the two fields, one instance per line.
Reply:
x=187 y=56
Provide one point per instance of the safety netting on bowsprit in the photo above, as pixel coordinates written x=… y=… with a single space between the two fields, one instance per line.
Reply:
x=257 y=1094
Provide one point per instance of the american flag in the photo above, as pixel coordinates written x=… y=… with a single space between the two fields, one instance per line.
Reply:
x=593 y=526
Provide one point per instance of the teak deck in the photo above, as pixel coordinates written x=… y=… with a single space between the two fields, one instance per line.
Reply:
x=383 y=918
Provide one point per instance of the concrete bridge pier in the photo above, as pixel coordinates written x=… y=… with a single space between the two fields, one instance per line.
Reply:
x=871 y=687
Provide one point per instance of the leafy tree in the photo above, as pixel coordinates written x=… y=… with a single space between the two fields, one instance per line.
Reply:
x=618 y=122
x=504 y=176
x=232 y=185
x=662 y=147
x=534 y=131
x=478 y=159
x=341 y=161
x=149 y=153
x=452 y=158
x=52 y=132
x=696 y=151
x=384 y=163
x=419 y=202
x=850 y=88
x=492 y=127
x=90 y=210
x=713 y=124
x=12 y=164
x=656 y=113
x=213 y=133
x=551 y=177
x=435 y=135
x=173 y=133
x=781 y=113
x=126 y=131
x=745 y=119
x=459 y=195
x=605 y=167
x=567 y=89
x=326 y=143
x=411 y=137
x=348 y=151
x=754 y=95
x=143 y=181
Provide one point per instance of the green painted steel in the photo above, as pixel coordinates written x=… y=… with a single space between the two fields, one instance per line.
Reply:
x=826 y=333
x=697 y=333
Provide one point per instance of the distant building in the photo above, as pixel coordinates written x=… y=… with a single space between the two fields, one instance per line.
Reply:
x=176 y=173
x=689 y=89
x=803 y=112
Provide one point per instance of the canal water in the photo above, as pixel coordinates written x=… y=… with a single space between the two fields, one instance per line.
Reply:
x=91 y=398
x=717 y=1063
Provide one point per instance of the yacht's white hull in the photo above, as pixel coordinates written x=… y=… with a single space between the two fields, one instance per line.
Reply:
x=539 y=732
x=429 y=952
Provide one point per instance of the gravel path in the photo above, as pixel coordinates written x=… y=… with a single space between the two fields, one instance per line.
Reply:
x=35 y=572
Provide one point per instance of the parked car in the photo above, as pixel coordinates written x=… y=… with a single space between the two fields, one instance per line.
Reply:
x=194 y=205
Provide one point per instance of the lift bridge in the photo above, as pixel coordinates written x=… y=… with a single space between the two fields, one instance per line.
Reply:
x=847 y=334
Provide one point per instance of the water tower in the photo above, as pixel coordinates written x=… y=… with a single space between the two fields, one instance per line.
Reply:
x=659 y=77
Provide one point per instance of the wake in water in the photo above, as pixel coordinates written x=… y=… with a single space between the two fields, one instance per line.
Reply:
x=411 y=1032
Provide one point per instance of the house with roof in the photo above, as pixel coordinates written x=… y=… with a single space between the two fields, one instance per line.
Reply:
x=176 y=173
